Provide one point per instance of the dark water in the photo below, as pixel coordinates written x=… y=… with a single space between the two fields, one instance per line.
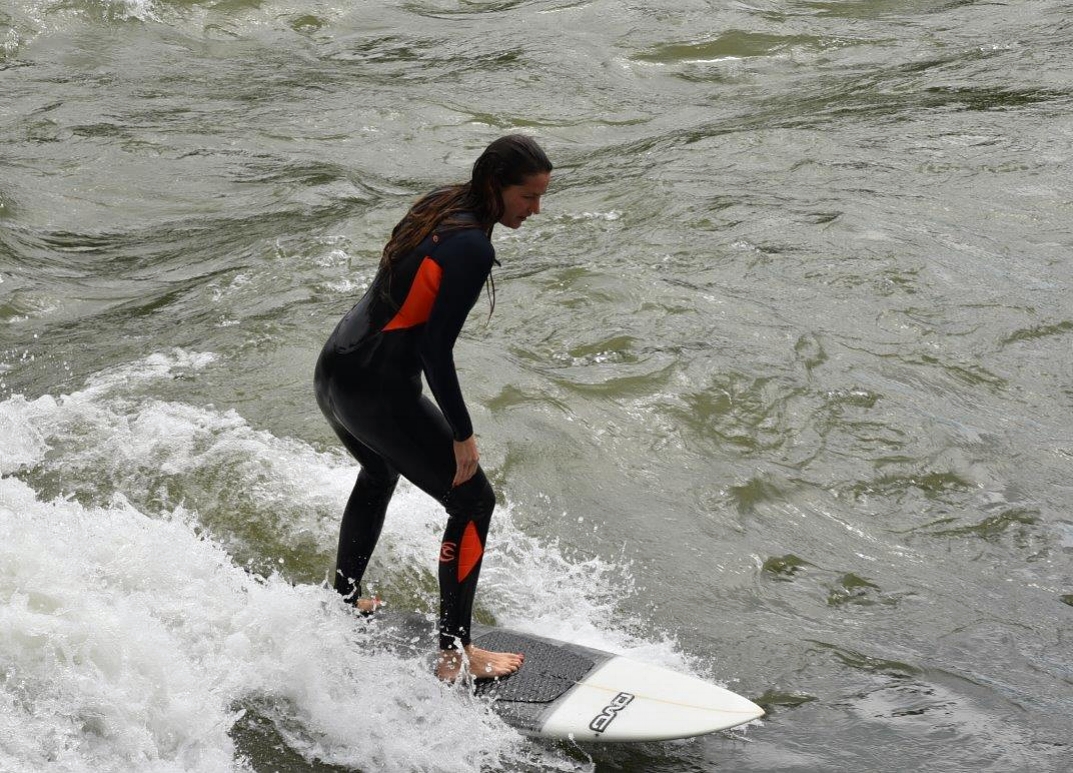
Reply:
x=777 y=389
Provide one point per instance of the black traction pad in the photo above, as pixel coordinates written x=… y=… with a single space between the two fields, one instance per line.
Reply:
x=547 y=673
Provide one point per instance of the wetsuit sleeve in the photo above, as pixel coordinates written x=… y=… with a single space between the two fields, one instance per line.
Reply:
x=466 y=260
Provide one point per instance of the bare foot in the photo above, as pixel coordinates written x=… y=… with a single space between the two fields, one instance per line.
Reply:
x=368 y=605
x=482 y=663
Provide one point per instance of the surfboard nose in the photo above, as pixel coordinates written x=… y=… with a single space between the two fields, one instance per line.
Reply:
x=624 y=700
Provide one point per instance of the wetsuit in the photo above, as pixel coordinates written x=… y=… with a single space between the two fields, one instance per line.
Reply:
x=368 y=384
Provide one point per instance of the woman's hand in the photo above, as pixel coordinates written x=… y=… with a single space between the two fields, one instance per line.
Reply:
x=466 y=458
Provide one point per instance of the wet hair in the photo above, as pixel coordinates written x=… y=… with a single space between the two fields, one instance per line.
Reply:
x=507 y=161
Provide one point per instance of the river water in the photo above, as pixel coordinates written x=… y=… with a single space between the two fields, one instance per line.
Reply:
x=777 y=389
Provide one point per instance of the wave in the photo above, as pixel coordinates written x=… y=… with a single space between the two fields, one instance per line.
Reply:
x=135 y=639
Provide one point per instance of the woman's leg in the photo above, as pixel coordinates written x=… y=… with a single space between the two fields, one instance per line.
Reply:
x=363 y=516
x=363 y=520
x=415 y=439
x=469 y=510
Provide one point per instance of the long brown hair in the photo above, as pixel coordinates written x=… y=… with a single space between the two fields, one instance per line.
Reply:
x=507 y=161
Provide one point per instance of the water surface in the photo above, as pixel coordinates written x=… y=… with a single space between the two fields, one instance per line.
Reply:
x=777 y=389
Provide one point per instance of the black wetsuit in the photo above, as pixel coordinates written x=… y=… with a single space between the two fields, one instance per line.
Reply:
x=368 y=384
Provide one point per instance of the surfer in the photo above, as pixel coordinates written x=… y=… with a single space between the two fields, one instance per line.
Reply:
x=368 y=384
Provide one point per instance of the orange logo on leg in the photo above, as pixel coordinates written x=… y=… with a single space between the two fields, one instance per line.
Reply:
x=472 y=550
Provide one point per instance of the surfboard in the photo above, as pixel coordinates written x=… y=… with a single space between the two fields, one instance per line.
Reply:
x=568 y=691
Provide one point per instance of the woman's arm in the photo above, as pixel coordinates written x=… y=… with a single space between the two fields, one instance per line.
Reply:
x=466 y=259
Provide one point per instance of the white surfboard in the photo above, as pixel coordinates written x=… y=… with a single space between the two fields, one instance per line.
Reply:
x=567 y=691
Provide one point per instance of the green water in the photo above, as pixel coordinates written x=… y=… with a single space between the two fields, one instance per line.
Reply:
x=788 y=349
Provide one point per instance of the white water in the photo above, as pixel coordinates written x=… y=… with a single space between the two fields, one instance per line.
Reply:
x=130 y=640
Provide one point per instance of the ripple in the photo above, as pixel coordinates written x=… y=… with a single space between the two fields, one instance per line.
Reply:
x=1038 y=332
x=868 y=663
x=784 y=568
x=733 y=44
x=993 y=527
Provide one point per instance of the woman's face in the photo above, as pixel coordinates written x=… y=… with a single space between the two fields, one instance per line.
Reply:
x=521 y=201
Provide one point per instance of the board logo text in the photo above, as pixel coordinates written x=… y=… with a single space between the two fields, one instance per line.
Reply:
x=611 y=710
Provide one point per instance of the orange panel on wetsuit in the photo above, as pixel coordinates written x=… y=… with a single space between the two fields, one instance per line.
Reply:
x=470 y=552
x=418 y=304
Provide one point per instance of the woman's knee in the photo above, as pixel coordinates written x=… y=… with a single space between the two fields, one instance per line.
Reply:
x=473 y=500
x=378 y=477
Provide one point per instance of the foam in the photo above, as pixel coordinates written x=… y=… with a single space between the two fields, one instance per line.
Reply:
x=133 y=641
x=141 y=10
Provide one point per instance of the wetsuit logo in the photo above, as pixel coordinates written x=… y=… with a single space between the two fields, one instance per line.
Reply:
x=448 y=552
x=601 y=721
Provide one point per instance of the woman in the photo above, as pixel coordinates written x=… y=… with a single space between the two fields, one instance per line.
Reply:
x=368 y=384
